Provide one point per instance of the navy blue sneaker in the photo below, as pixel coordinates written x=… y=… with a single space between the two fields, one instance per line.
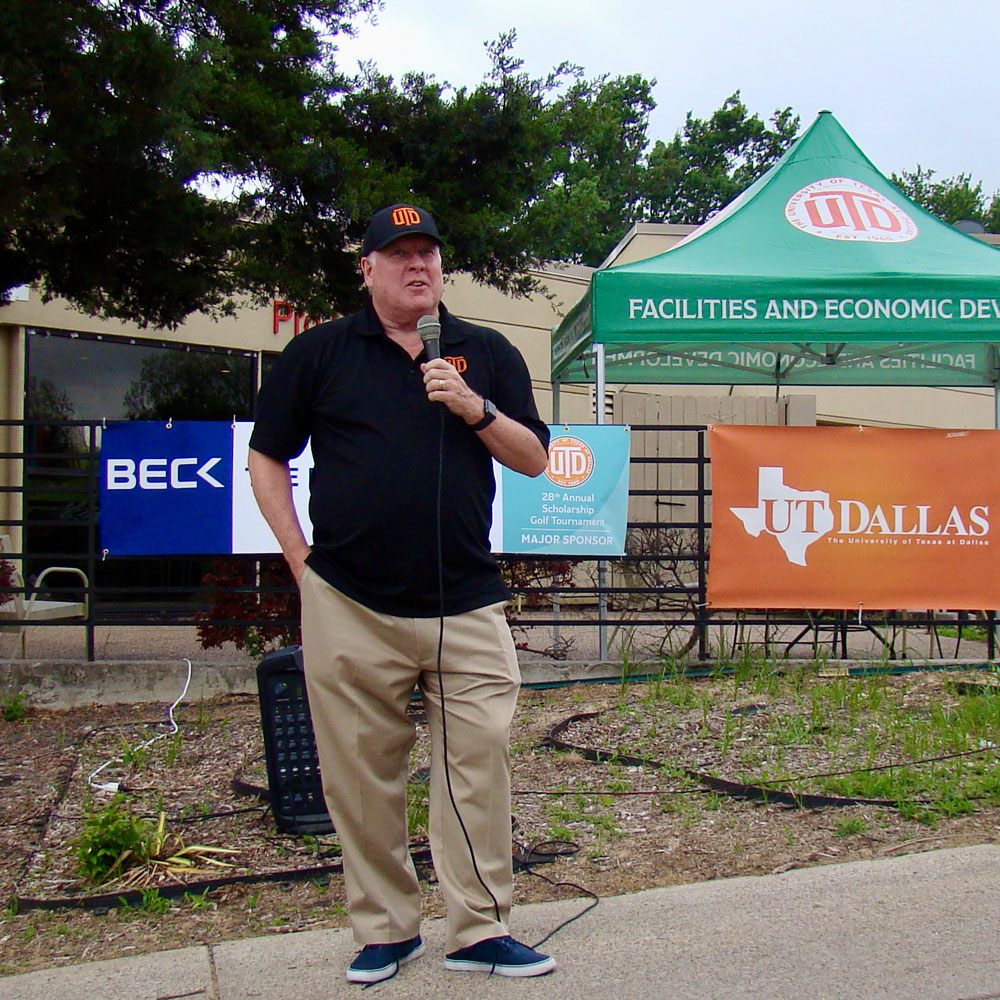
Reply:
x=376 y=962
x=501 y=955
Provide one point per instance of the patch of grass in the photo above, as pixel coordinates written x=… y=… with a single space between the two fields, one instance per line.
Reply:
x=976 y=633
x=174 y=748
x=877 y=736
x=556 y=832
x=850 y=826
x=417 y=808
x=152 y=902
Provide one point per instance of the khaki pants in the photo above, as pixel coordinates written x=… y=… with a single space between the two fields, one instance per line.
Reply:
x=361 y=668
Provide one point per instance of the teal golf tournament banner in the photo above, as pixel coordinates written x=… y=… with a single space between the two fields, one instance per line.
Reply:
x=183 y=488
x=578 y=506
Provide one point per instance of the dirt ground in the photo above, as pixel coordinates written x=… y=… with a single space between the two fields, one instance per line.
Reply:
x=622 y=828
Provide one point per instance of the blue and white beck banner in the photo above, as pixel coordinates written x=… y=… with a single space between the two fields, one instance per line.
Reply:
x=183 y=488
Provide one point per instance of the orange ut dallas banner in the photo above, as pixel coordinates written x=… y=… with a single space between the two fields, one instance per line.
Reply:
x=837 y=517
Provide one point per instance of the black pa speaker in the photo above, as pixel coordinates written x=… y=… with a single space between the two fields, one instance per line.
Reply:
x=289 y=745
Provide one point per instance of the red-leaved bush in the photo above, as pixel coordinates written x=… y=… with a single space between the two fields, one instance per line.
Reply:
x=262 y=594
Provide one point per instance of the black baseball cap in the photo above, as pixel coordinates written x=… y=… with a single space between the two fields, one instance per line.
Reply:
x=390 y=223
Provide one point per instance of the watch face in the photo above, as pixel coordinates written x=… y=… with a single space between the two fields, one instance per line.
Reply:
x=489 y=408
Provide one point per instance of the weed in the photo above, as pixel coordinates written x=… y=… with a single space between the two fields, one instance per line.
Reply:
x=174 y=748
x=151 y=902
x=605 y=824
x=204 y=718
x=14 y=707
x=417 y=808
x=849 y=826
x=113 y=840
x=198 y=900
x=136 y=758
x=109 y=839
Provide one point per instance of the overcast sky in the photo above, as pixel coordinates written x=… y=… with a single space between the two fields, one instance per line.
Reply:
x=912 y=82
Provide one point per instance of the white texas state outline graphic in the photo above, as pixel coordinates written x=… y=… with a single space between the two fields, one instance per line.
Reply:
x=797 y=518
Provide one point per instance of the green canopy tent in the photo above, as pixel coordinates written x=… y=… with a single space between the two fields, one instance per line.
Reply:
x=820 y=273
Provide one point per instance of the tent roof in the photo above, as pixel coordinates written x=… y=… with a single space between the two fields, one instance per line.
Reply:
x=820 y=272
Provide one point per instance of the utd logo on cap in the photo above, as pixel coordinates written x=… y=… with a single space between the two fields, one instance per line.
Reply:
x=839 y=208
x=405 y=216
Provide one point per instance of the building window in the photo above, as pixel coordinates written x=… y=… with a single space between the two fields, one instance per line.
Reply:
x=73 y=377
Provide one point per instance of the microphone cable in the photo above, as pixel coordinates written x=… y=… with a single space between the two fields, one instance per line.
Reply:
x=444 y=714
x=440 y=673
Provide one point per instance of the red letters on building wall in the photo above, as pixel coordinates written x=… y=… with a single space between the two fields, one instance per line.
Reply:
x=282 y=312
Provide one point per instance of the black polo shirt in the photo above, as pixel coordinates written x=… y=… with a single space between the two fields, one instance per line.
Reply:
x=375 y=442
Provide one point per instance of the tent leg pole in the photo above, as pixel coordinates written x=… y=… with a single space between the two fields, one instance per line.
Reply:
x=996 y=406
x=555 y=597
x=602 y=565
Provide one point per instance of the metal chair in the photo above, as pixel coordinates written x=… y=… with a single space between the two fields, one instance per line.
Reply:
x=16 y=608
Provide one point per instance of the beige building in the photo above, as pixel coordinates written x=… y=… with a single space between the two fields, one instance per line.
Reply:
x=59 y=363
x=94 y=362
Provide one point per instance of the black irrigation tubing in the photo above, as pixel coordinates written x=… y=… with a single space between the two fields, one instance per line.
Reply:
x=244 y=787
x=134 y=897
x=736 y=789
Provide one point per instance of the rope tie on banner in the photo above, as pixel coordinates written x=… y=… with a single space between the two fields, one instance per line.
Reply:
x=104 y=554
x=861 y=608
x=170 y=423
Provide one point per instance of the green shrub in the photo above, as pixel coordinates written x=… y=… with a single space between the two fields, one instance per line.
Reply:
x=14 y=707
x=111 y=840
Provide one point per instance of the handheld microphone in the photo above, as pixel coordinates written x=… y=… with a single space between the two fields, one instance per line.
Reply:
x=429 y=329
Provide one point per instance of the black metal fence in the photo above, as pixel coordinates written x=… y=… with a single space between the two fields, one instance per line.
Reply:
x=49 y=479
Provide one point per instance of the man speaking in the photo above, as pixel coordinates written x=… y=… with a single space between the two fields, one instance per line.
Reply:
x=400 y=591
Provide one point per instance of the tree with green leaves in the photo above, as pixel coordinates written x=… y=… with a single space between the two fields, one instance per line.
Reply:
x=711 y=161
x=115 y=115
x=598 y=168
x=606 y=179
x=952 y=198
x=115 y=118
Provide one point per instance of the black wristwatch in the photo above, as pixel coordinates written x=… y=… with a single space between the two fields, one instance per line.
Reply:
x=489 y=415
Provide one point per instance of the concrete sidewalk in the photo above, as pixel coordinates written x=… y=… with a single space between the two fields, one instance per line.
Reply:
x=919 y=927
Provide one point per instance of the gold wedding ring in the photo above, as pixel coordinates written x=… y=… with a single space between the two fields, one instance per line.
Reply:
x=440 y=385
